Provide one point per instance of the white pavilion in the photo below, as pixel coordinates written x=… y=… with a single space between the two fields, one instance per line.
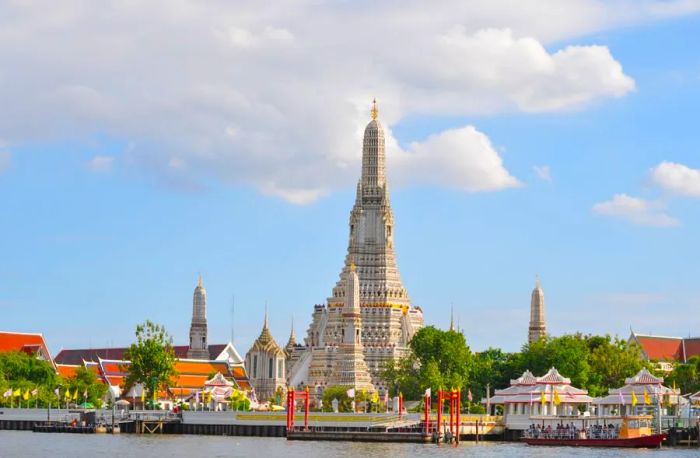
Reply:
x=619 y=401
x=524 y=398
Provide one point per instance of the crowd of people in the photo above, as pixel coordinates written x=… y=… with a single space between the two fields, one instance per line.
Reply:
x=570 y=431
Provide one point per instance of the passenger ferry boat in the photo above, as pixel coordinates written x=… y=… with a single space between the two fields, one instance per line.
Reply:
x=630 y=431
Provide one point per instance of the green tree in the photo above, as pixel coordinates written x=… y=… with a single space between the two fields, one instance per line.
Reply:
x=152 y=358
x=611 y=360
x=85 y=381
x=438 y=359
x=687 y=375
x=340 y=393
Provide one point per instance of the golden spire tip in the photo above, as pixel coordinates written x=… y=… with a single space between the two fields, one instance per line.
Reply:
x=375 y=110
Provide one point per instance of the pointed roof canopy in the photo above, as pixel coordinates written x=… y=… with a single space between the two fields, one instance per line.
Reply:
x=265 y=342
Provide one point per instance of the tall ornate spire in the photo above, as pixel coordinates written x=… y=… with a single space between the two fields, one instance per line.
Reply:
x=371 y=244
x=199 y=348
x=537 y=328
x=452 y=317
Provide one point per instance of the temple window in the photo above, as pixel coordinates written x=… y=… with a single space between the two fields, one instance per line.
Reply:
x=255 y=366
x=270 y=368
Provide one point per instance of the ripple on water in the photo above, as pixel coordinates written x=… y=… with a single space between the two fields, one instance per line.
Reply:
x=27 y=444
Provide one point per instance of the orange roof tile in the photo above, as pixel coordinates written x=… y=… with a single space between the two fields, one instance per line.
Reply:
x=201 y=367
x=67 y=370
x=21 y=341
x=191 y=381
x=661 y=348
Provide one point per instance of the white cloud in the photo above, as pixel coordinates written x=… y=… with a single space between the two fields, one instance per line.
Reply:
x=270 y=96
x=637 y=211
x=543 y=171
x=5 y=160
x=677 y=178
x=100 y=163
x=461 y=158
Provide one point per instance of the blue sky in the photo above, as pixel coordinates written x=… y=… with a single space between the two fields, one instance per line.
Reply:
x=99 y=234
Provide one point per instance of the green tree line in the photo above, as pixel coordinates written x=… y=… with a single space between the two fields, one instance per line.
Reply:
x=442 y=359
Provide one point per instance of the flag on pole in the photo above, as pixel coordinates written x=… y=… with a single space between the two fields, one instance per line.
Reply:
x=427 y=392
x=375 y=397
x=35 y=391
x=143 y=395
x=351 y=393
x=75 y=395
x=67 y=395
x=543 y=398
x=7 y=393
x=634 y=398
x=622 y=398
x=557 y=399
x=386 y=397
x=57 y=392
x=85 y=394
x=469 y=395
x=26 y=395
x=17 y=393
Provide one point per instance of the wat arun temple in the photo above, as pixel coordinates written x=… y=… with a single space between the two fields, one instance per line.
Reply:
x=368 y=319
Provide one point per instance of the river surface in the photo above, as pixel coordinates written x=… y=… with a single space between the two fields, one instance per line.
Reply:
x=28 y=444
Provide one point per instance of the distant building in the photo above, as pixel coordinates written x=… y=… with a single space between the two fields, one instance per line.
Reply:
x=388 y=319
x=198 y=328
x=665 y=350
x=28 y=342
x=265 y=364
x=537 y=328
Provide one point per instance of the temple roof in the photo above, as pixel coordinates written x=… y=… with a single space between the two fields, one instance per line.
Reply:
x=644 y=377
x=77 y=356
x=554 y=377
x=526 y=379
x=265 y=342
x=32 y=343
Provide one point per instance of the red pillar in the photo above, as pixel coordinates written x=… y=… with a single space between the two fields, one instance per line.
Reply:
x=400 y=405
x=452 y=411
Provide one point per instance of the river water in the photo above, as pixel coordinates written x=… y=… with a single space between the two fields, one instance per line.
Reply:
x=28 y=444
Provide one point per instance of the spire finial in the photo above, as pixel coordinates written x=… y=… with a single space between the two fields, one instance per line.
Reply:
x=265 y=322
x=452 y=317
x=199 y=280
x=537 y=281
x=375 y=110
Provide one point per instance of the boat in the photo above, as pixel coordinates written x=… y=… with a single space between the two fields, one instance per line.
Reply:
x=634 y=431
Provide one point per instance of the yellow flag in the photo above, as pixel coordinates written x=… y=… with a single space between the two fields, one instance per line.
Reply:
x=647 y=398
x=634 y=398
x=543 y=398
x=26 y=395
x=67 y=395
x=75 y=395
x=17 y=392
x=375 y=397
x=143 y=395
x=557 y=400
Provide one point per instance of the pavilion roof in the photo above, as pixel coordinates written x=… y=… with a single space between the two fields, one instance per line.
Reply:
x=641 y=382
x=644 y=377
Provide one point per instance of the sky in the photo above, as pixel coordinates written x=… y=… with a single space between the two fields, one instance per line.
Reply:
x=144 y=144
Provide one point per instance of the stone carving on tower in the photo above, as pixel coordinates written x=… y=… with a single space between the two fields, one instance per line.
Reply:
x=537 y=328
x=388 y=321
x=349 y=367
x=199 y=348
x=265 y=365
